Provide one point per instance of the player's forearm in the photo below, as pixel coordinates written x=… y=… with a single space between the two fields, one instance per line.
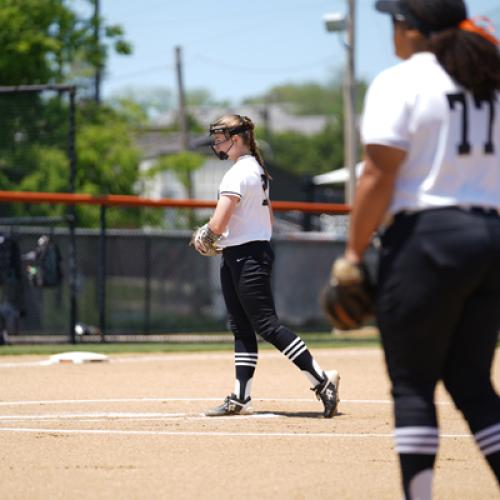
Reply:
x=373 y=196
x=271 y=214
x=218 y=223
x=223 y=212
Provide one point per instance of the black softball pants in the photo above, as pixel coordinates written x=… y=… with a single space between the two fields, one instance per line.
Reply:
x=246 y=286
x=438 y=310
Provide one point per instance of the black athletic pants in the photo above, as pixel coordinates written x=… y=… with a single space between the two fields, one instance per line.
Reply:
x=246 y=285
x=438 y=310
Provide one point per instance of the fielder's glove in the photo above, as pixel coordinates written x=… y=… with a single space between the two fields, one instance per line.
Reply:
x=348 y=299
x=204 y=241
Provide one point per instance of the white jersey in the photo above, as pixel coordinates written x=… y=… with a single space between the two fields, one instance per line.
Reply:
x=452 y=141
x=251 y=220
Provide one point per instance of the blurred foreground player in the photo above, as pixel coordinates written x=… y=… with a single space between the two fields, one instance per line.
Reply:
x=431 y=132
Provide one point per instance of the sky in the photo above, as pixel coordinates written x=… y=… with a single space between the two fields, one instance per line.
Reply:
x=239 y=49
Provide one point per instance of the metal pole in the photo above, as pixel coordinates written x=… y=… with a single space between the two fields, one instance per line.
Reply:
x=72 y=218
x=97 y=39
x=184 y=126
x=182 y=100
x=101 y=279
x=147 y=283
x=350 y=129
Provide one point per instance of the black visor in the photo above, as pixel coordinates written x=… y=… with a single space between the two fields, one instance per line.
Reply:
x=228 y=131
x=392 y=7
x=400 y=11
x=218 y=129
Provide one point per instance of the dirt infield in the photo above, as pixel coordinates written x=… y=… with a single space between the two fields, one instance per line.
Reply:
x=133 y=428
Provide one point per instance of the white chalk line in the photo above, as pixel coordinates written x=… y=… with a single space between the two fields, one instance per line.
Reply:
x=162 y=400
x=113 y=416
x=109 y=417
x=196 y=357
x=211 y=433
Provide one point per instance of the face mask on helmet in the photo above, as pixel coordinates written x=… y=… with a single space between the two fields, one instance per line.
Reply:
x=223 y=155
x=228 y=133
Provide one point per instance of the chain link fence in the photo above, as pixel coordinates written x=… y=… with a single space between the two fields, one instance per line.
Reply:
x=147 y=282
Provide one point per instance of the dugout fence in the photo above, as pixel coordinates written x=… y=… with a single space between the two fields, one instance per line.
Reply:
x=142 y=282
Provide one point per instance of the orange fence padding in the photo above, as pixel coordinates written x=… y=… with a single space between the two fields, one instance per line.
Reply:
x=138 y=201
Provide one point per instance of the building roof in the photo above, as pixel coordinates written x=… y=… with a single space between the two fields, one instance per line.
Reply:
x=276 y=117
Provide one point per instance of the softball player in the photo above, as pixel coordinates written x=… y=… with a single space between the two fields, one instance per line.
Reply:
x=241 y=228
x=431 y=130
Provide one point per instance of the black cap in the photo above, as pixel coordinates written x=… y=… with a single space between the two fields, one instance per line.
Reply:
x=427 y=16
x=393 y=7
x=400 y=10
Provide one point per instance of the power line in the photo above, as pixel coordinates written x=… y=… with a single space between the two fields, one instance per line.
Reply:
x=274 y=69
x=140 y=72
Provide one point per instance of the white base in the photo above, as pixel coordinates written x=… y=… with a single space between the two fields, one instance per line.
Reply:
x=77 y=357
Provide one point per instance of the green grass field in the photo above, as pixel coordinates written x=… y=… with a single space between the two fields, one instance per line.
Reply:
x=313 y=340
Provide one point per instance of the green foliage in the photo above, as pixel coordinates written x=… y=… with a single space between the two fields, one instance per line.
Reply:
x=49 y=173
x=151 y=101
x=154 y=101
x=33 y=130
x=108 y=160
x=183 y=164
x=310 y=98
x=310 y=154
x=302 y=154
x=34 y=153
x=47 y=41
x=131 y=111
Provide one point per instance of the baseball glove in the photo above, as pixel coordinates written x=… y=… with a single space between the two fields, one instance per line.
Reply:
x=348 y=299
x=204 y=241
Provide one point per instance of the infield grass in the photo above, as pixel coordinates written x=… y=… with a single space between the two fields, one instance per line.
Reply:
x=313 y=340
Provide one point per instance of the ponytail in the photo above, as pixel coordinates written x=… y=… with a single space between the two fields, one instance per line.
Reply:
x=469 y=58
x=466 y=48
x=254 y=150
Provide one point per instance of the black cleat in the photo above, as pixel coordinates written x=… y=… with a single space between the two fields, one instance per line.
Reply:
x=231 y=406
x=328 y=392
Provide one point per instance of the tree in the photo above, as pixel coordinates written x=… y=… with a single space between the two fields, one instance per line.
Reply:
x=183 y=164
x=45 y=41
x=302 y=154
x=310 y=154
x=152 y=101
x=312 y=98
x=107 y=158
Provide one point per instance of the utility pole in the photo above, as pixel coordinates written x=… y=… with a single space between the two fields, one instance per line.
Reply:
x=182 y=100
x=350 y=129
x=97 y=40
x=183 y=122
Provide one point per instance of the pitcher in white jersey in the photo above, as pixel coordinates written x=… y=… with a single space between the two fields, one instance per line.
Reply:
x=241 y=228
x=431 y=135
